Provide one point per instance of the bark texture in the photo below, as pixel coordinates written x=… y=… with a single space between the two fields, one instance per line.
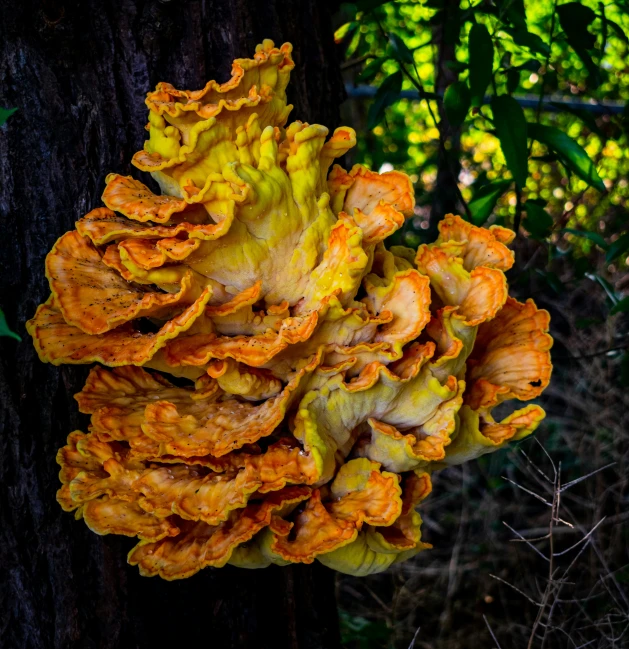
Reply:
x=78 y=71
x=446 y=199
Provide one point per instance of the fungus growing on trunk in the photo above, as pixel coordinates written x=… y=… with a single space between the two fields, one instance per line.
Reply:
x=327 y=376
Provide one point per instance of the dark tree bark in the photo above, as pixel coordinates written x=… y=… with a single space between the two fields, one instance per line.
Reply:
x=446 y=198
x=78 y=71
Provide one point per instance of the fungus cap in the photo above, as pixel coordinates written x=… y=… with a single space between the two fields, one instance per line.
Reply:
x=322 y=377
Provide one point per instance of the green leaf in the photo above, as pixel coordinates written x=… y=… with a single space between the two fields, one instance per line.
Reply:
x=574 y=19
x=619 y=31
x=595 y=74
x=513 y=80
x=513 y=11
x=371 y=69
x=511 y=129
x=586 y=323
x=595 y=237
x=538 y=221
x=456 y=66
x=456 y=102
x=5 y=113
x=606 y=286
x=618 y=247
x=581 y=266
x=620 y=307
x=362 y=633
x=369 y=5
x=480 y=8
x=481 y=51
x=585 y=116
x=387 y=94
x=552 y=280
x=527 y=39
x=532 y=65
x=344 y=30
x=548 y=157
x=572 y=153
x=485 y=199
x=4 y=328
x=412 y=239
x=401 y=51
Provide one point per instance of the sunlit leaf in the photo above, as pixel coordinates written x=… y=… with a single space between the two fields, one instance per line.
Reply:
x=344 y=30
x=5 y=113
x=387 y=93
x=538 y=222
x=4 y=328
x=527 y=39
x=595 y=237
x=371 y=69
x=485 y=199
x=401 y=51
x=532 y=65
x=481 y=51
x=456 y=102
x=620 y=32
x=480 y=8
x=572 y=153
x=511 y=129
x=584 y=115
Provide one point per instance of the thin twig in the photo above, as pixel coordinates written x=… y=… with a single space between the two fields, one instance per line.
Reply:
x=527 y=541
x=410 y=646
x=493 y=637
x=550 y=584
x=601 y=353
x=517 y=590
x=534 y=466
x=585 y=477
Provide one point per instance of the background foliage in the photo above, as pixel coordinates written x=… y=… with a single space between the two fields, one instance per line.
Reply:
x=513 y=112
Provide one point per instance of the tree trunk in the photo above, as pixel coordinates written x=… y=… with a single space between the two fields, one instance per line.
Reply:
x=446 y=196
x=78 y=71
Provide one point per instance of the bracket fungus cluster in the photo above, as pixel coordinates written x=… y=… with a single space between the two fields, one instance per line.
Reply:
x=320 y=377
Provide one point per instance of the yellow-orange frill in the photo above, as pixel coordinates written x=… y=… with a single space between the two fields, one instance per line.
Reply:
x=321 y=377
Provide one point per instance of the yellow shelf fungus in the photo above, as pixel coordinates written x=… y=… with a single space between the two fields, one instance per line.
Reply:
x=327 y=376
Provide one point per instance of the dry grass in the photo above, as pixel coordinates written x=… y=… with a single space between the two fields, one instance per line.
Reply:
x=531 y=544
